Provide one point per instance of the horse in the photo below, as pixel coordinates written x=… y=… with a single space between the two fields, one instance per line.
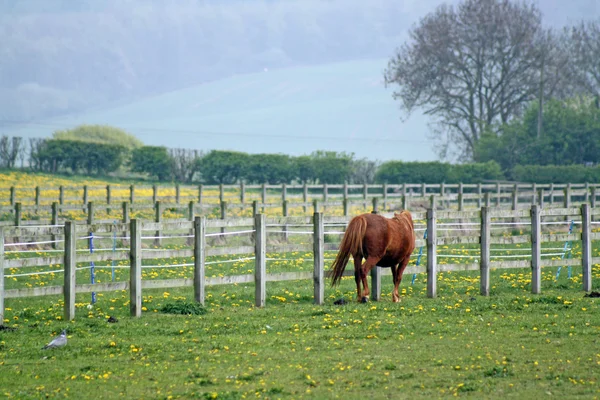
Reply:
x=381 y=241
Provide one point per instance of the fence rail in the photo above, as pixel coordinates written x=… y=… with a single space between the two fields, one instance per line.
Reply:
x=386 y=198
x=245 y=194
x=474 y=228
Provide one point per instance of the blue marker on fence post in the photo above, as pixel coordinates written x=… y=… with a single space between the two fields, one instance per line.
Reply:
x=567 y=249
x=419 y=258
x=112 y=263
x=92 y=267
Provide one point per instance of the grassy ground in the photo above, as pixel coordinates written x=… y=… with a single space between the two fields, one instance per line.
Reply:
x=511 y=344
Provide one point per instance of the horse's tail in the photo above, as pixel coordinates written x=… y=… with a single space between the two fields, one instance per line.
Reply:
x=352 y=244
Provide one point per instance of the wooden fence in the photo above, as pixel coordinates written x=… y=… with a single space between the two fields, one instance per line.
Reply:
x=246 y=194
x=435 y=220
x=518 y=196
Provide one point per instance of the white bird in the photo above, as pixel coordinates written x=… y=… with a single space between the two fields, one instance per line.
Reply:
x=58 y=341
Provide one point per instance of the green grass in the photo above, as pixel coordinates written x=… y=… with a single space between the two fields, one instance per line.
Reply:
x=511 y=344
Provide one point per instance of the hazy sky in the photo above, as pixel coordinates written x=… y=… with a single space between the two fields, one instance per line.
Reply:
x=66 y=62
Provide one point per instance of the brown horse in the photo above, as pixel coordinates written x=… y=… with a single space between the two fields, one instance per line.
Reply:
x=386 y=242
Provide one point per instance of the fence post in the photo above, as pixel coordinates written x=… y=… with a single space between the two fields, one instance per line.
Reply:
x=316 y=207
x=345 y=191
x=54 y=221
x=431 y=254
x=484 y=262
x=18 y=212
x=432 y=201
x=135 y=269
x=85 y=195
x=375 y=205
x=223 y=214
x=586 y=247
x=177 y=194
x=541 y=197
x=264 y=194
x=157 y=218
x=199 y=194
x=221 y=193
x=260 y=266
x=37 y=196
x=325 y=193
x=199 y=258
x=385 y=196
x=567 y=200
x=254 y=207
x=587 y=192
x=376 y=283
x=191 y=218
x=319 y=258
x=108 y=194
x=365 y=195
x=423 y=190
x=461 y=203
x=70 y=265
x=61 y=195
x=497 y=194
x=405 y=202
x=283 y=192
x=125 y=212
x=487 y=200
x=533 y=192
x=305 y=196
x=154 y=194
x=132 y=194
x=536 y=249
x=12 y=196
x=284 y=209
x=242 y=193
x=479 y=195
x=1 y=276
x=346 y=207
x=593 y=198
x=551 y=197
x=90 y=213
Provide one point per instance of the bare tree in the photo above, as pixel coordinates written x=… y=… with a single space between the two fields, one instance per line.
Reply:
x=10 y=148
x=474 y=67
x=363 y=171
x=185 y=164
x=35 y=146
x=585 y=57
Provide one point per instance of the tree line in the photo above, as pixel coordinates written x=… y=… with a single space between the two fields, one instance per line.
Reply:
x=476 y=69
x=560 y=156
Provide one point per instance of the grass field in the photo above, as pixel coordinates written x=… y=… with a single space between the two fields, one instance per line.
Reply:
x=510 y=344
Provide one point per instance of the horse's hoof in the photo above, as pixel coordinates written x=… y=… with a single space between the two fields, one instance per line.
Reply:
x=365 y=299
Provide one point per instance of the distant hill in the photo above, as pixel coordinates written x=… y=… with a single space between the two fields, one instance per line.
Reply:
x=337 y=106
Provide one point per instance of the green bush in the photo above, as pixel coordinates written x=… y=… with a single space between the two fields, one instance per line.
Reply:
x=152 y=160
x=99 y=134
x=181 y=307
x=80 y=157
x=555 y=173
x=396 y=172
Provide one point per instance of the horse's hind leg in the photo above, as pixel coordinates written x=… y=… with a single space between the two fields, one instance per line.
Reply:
x=395 y=296
x=398 y=278
x=357 y=276
x=366 y=268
